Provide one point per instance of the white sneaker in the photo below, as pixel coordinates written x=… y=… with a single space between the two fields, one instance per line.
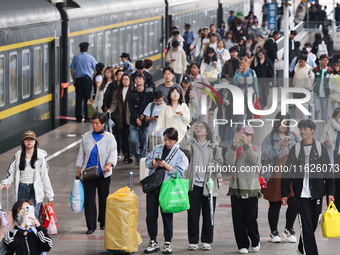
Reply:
x=256 y=248
x=152 y=247
x=298 y=252
x=167 y=248
x=243 y=251
x=206 y=247
x=193 y=247
x=275 y=237
x=289 y=235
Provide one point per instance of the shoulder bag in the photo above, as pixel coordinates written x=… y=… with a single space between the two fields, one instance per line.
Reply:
x=154 y=180
x=92 y=172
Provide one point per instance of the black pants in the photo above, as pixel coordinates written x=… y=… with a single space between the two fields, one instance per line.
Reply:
x=103 y=186
x=83 y=93
x=309 y=210
x=198 y=202
x=264 y=92
x=152 y=205
x=274 y=214
x=124 y=134
x=244 y=213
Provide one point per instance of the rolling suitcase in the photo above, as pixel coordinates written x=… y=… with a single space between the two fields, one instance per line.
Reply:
x=121 y=221
x=143 y=170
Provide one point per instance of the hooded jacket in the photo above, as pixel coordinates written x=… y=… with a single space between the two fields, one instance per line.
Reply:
x=42 y=184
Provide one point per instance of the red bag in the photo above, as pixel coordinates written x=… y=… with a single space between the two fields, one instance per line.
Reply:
x=43 y=216
x=52 y=228
x=257 y=106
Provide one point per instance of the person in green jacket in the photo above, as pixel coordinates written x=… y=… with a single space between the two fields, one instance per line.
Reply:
x=321 y=88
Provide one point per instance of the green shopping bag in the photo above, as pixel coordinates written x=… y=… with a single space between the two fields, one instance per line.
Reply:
x=174 y=197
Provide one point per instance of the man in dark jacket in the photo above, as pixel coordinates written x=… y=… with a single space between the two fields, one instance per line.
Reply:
x=329 y=42
x=292 y=36
x=149 y=84
x=138 y=99
x=271 y=46
x=230 y=66
x=309 y=185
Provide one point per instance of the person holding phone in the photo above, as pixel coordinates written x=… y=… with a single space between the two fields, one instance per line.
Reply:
x=29 y=172
x=28 y=236
x=175 y=114
x=168 y=158
x=211 y=66
x=244 y=189
x=198 y=145
x=275 y=149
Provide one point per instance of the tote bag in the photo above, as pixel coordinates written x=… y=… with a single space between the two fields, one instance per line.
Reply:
x=174 y=197
x=331 y=222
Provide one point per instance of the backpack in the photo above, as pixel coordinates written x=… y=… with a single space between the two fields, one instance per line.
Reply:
x=298 y=147
x=322 y=49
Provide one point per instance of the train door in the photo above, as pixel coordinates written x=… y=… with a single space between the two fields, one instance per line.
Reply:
x=56 y=83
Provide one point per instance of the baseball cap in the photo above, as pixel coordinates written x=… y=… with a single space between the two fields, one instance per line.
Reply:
x=246 y=129
x=84 y=45
x=186 y=78
x=29 y=134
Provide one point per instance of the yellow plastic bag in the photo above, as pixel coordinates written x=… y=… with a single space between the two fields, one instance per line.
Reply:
x=121 y=221
x=331 y=222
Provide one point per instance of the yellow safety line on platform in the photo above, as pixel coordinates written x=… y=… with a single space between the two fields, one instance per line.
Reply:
x=25 y=106
x=24 y=44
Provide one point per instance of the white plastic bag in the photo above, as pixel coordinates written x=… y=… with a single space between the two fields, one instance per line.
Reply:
x=77 y=196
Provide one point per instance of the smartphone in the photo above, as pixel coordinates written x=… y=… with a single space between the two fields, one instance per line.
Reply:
x=287 y=138
x=30 y=214
x=156 y=116
x=158 y=159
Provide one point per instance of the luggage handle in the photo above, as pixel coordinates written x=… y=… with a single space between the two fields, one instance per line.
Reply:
x=131 y=181
x=6 y=200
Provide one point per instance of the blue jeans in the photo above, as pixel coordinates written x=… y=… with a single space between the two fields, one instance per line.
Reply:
x=26 y=191
x=321 y=104
x=138 y=139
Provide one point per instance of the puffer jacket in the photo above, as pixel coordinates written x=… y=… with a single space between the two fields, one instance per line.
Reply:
x=42 y=184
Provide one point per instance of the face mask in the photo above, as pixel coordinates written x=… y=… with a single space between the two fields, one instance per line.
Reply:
x=19 y=218
x=308 y=49
x=339 y=121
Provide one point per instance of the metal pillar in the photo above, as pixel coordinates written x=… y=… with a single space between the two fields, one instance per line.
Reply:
x=286 y=45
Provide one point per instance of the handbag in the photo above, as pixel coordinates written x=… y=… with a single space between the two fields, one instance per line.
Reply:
x=52 y=228
x=154 y=180
x=331 y=222
x=174 y=195
x=92 y=172
x=77 y=196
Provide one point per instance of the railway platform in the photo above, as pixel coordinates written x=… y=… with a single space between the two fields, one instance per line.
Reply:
x=62 y=145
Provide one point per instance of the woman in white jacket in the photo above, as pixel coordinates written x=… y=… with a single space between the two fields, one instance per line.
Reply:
x=211 y=66
x=334 y=85
x=29 y=172
x=175 y=114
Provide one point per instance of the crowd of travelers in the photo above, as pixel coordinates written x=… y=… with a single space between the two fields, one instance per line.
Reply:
x=130 y=111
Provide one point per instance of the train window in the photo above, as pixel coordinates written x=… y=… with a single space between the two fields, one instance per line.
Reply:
x=128 y=40
x=25 y=74
x=107 y=60
x=91 y=44
x=100 y=54
x=13 y=77
x=114 y=47
x=121 y=44
x=151 y=37
x=135 y=43
x=46 y=72
x=140 y=40
x=157 y=37
x=71 y=58
x=2 y=80
x=37 y=70
x=146 y=34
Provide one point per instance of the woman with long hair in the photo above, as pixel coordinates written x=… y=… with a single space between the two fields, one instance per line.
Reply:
x=98 y=77
x=211 y=67
x=275 y=149
x=29 y=172
x=190 y=95
x=198 y=145
x=120 y=108
x=229 y=41
x=222 y=53
x=108 y=78
x=175 y=114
